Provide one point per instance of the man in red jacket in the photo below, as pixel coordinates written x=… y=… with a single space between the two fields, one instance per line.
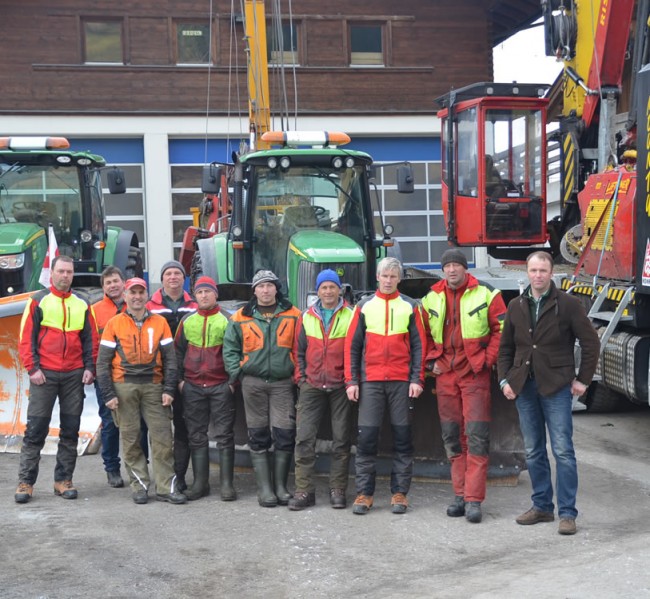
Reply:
x=463 y=319
x=318 y=356
x=58 y=348
x=173 y=303
x=384 y=366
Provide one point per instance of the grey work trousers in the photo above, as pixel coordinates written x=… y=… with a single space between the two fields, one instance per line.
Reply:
x=312 y=406
x=205 y=406
x=373 y=398
x=136 y=401
x=67 y=386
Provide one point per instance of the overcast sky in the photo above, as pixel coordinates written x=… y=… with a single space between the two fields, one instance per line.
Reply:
x=521 y=58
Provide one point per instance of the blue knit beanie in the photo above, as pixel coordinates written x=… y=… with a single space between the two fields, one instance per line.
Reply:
x=327 y=275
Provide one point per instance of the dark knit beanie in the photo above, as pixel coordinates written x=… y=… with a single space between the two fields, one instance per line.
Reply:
x=453 y=255
x=171 y=264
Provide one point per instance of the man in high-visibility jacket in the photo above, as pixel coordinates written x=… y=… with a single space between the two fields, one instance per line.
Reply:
x=58 y=347
x=112 y=280
x=318 y=355
x=463 y=319
x=384 y=366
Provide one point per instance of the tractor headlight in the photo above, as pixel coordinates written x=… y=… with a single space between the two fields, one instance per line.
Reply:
x=86 y=236
x=12 y=261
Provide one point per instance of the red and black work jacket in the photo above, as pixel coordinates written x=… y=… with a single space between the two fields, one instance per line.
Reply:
x=104 y=310
x=159 y=304
x=386 y=341
x=57 y=332
x=140 y=353
x=318 y=353
x=199 y=348
x=463 y=325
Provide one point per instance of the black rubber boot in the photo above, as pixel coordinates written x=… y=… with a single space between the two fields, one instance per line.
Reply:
x=226 y=471
x=281 y=466
x=201 y=468
x=265 y=495
x=457 y=508
x=182 y=456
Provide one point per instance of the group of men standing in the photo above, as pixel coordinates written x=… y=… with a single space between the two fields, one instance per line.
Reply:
x=175 y=357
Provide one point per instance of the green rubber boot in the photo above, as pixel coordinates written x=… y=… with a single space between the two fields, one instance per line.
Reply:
x=226 y=472
x=265 y=495
x=201 y=468
x=281 y=466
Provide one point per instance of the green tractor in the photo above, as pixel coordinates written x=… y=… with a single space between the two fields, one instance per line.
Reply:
x=43 y=183
x=294 y=210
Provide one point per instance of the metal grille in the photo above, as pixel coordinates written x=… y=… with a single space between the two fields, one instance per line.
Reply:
x=351 y=273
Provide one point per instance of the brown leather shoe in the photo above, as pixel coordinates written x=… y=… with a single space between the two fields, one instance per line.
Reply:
x=337 y=499
x=567 y=526
x=65 y=489
x=302 y=500
x=534 y=516
x=362 y=504
x=23 y=492
x=399 y=503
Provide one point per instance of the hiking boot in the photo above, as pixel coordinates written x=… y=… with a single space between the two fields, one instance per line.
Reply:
x=362 y=504
x=338 y=499
x=567 y=526
x=302 y=500
x=398 y=503
x=140 y=497
x=65 y=489
x=23 y=492
x=473 y=512
x=457 y=508
x=174 y=497
x=115 y=479
x=534 y=516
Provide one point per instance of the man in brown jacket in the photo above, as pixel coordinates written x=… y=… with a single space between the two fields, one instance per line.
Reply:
x=537 y=369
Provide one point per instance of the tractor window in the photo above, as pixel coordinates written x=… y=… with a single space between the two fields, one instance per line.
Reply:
x=467 y=148
x=304 y=198
x=43 y=195
x=513 y=138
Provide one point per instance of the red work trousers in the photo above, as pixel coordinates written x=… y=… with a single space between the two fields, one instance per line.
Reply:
x=464 y=408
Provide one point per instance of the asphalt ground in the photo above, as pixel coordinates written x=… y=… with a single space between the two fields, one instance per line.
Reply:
x=103 y=545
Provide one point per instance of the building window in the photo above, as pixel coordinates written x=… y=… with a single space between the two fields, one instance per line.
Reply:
x=192 y=43
x=282 y=44
x=103 y=42
x=366 y=47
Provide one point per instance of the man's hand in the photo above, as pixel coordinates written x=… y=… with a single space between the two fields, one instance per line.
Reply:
x=415 y=390
x=112 y=403
x=578 y=389
x=508 y=392
x=37 y=378
x=87 y=378
x=167 y=399
x=353 y=392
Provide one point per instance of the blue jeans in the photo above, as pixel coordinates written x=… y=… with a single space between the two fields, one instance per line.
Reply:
x=110 y=436
x=536 y=414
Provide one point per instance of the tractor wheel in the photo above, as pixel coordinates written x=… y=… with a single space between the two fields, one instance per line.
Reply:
x=603 y=399
x=134 y=263
x=204 y=261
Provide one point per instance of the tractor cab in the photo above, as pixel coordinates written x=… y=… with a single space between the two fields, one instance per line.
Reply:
x=494 y=165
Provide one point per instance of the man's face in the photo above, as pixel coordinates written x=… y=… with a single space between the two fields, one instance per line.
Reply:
x=265 y=293
x=388 y=281
x=62 y=275
x=328 y=294
x=173 y=280
x=454 y=273
x=540 y=273
x=136 y=298
x=113 y=287
x=206 y=298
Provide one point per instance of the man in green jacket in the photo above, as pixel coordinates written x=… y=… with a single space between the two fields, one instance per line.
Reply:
x=257 y=353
